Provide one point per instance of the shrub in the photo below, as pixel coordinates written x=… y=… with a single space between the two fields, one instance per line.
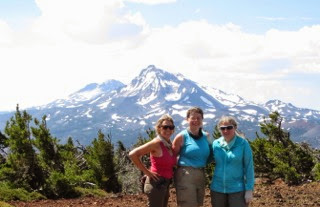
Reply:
x=59 y=186
x=91 y=192
x=316 y=172
x=3 y=204
x=276 y=156
x=8 y=194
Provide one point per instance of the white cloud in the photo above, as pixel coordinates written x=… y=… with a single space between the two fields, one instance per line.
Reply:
x=5 y=33
x=152 y=2
x=98 y=21
x=76 y=42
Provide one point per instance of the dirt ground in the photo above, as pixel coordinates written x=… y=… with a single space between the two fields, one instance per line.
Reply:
x=265 y=195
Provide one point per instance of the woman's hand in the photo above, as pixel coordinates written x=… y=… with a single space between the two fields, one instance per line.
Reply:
x=152 y=175
x=248 y=196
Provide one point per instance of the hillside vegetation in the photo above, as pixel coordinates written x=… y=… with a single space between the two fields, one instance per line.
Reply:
x=35 y=166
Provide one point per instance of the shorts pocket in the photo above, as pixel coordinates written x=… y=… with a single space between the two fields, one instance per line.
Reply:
x=158 y=184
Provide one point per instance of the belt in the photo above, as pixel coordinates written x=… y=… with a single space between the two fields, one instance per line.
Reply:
x=192 y=168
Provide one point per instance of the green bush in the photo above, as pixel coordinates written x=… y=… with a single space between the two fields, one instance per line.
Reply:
x=3 y=204
x=59 y=186
x=276 y=156
x=91 y=192
x=316 y=172
x=9 y=194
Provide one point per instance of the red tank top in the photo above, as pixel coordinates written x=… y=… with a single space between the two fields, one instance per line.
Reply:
x=163 y=165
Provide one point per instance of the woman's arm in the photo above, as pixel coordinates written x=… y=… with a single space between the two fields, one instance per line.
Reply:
x=248 y=167
x=136 y=154
x=177 y=144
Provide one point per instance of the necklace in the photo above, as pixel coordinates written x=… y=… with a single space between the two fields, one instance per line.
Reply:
x=166 y=143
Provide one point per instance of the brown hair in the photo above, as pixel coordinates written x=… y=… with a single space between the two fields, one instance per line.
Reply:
x=194 y=110
x=165 y=117
x=229 y=119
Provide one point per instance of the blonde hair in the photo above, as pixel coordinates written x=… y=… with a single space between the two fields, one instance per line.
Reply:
x=229 y=119
x=165 y=117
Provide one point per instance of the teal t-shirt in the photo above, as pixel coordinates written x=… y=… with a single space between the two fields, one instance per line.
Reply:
x=194 y=152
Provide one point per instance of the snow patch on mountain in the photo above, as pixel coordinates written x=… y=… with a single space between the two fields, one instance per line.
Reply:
x=155 y=105
x=176 y=106
x=104 y=104
x=210 y=116
x=224 y=98
x=145 y=100
x=115 y=117
x=86 y=95
x=250 y=111
x=181 y=113
x=173 y=97
x=87 y=113
x=143 y=123
x=209 y=103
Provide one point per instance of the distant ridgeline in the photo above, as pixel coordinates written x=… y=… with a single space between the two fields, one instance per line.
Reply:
x=127 y=111
x=35 y=165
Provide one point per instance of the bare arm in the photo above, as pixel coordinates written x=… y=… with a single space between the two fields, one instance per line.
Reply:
x=177 y=144
x=136 y=154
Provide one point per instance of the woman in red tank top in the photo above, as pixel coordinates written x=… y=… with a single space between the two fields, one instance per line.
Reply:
x=162 y=162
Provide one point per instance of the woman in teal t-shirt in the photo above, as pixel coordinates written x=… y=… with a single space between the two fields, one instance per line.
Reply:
x=191 y=145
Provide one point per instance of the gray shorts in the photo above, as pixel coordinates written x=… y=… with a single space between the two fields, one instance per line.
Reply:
x=190 y=186
x=228 y=199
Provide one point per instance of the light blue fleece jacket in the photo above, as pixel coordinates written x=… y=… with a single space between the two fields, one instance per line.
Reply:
x=234 y=170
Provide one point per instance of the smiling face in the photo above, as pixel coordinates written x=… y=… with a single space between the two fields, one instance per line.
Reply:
x=195 y=120
x=228 y=130
x=166 y=129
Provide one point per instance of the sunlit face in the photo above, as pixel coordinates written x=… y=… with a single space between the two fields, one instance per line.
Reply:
x=227 y=130
x=195 y=120
x=166 y=129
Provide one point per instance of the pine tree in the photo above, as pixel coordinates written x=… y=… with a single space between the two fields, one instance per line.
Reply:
x=100 y=159
x=48 y=147
x=3 y=147
x=66 y=172
x=277 y=156
x=22 y=167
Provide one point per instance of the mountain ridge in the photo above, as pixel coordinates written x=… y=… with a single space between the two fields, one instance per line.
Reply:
x=127 y=111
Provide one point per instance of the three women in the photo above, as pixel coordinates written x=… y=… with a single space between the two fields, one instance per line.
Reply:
x=233 y=177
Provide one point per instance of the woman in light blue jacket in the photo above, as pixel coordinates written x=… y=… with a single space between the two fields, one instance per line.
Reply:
x=233 y=177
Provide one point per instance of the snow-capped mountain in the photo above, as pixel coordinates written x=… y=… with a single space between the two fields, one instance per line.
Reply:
x=87 y=95
x=127 y=111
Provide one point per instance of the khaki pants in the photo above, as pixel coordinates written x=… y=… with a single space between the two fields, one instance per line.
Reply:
x=157 y=192
x=228 y=199
x=190 y=186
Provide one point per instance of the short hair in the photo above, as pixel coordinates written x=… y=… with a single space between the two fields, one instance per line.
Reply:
x=194 y=110
x=165 y=117
x=229 y=119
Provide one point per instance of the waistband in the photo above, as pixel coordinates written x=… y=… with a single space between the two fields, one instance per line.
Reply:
x=191 y=168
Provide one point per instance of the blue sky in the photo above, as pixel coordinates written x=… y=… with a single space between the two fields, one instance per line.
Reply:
x=252 y=16
x=260 y=50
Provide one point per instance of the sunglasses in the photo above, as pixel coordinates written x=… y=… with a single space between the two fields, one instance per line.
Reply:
x=165 y=127
x=226 y=127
